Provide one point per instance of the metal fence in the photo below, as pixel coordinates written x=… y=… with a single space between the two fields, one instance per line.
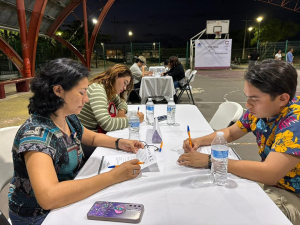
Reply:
x=268 y=51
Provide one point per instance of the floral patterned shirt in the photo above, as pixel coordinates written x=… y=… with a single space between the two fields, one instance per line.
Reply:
x=280 y=134
x=40 y=134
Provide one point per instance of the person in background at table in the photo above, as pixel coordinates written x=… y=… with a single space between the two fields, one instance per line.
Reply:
x=273 y=116
x=253 y=57
x=107 y=106
x=278 y=55
x=290 y=57
x=138 y=71
x=176 y=71
x=47 y=153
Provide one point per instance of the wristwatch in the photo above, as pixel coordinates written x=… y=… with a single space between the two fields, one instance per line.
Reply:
x=117 y=143
x=209 y=162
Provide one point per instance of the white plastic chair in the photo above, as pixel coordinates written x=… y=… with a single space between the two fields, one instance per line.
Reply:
x=187 y=73
x=227 y=114
x=7 y=136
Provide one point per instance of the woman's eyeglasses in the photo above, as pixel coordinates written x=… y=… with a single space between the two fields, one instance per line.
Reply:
x=151 y=147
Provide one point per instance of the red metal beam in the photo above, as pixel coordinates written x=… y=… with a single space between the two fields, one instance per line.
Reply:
x=12 y=55
x=63 y=15
x=23 y=34
x=86 y=34
x=71 y=47
x=97 y=28
x=33 y=31
x=283 y=5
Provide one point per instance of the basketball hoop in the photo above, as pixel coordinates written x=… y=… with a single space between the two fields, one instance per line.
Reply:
x=218 y=34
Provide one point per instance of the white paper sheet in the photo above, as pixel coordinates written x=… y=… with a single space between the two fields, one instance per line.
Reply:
x=144 y=155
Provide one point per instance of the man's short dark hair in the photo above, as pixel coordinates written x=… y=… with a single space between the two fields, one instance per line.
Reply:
x=166 y=62
x=273 y=77
x=290 y=49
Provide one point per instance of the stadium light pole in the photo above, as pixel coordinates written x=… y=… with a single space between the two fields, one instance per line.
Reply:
x=250 y=29
x=154 y=48
x=259 y=19
x=243 y=55
x=130 y=34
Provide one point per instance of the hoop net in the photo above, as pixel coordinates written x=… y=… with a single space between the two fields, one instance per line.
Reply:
x=218 y=34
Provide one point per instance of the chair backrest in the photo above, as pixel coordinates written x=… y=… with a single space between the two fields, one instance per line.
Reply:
x=7 y=136
x=192 y=76
x=227 y=113
x=187 y=73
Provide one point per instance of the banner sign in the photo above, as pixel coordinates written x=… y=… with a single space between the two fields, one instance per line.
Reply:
x=213 y=53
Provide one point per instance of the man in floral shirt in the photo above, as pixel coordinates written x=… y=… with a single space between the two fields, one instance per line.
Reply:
x=273 y=117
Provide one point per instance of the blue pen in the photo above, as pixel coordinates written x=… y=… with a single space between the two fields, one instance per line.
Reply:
x=190 y=139
x=112 y=166
x=138 y=109
x=161 y=144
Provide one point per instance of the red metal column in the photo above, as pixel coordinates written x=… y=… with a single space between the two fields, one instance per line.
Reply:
x=97 y=28
x=33 y=31
x=23 y=34
x=12 y=55
x=71 y=47
x=86 y=34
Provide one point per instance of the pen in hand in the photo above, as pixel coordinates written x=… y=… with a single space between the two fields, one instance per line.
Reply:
x=119 y=165
x=138 y=110
x=190 y=139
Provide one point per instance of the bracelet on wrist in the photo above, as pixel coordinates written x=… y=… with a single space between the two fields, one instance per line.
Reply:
x=209 y=162
x=117 y=143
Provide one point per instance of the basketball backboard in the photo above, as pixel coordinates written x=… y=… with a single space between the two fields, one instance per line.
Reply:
x=213 y=26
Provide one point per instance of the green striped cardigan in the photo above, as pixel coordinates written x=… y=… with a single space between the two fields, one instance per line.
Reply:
x=95 y=111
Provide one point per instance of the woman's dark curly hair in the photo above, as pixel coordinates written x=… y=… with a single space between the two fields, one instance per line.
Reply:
x=64 y=72
x=173 y=60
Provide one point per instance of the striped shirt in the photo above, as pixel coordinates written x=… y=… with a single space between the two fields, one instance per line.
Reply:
x=96 y=110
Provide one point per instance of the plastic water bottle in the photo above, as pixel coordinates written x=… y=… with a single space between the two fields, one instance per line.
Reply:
x=150 y=111
x=171 y=110
x=134 y=126
x=219 y=159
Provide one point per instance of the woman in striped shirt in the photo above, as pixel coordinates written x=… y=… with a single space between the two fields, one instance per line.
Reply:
x=110 y=87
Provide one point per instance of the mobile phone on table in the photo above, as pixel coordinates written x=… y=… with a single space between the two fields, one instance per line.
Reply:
x=116 y=211
x=162 y=118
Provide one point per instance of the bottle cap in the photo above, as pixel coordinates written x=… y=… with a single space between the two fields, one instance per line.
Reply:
x=171 y=99
x=149 y=99
x=220 y=133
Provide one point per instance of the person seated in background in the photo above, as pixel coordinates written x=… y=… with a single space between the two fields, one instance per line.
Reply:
x=273 y=116
x=47 y=153
x=107 y=107
x=278 y=55
x=138 y=70
x=176 y=71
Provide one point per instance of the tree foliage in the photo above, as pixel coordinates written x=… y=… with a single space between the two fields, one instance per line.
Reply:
x=275 y=30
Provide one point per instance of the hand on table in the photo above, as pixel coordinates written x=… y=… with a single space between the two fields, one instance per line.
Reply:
x=195 y=159
x=130 y=145
x=126 y=171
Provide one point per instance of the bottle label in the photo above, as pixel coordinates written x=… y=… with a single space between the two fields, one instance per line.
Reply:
x=150 y=108
x=134 y=124
x=170 y=109
x=220 y=154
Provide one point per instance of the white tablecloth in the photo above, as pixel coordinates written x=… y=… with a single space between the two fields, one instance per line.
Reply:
x=156 y=86
x=176 y=194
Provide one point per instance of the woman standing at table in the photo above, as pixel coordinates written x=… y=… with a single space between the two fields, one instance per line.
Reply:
x=107 y=107
x=47 y=153
x=176 y=71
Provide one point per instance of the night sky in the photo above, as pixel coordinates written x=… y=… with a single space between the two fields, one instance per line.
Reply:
x=174 y=22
